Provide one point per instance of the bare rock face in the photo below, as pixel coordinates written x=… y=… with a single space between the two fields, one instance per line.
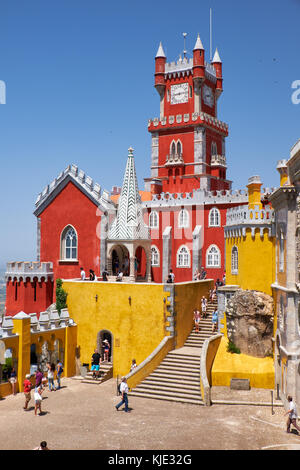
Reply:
x=250 y=316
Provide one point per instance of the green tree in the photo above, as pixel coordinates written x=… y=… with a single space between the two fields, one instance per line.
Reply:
x=61 y=296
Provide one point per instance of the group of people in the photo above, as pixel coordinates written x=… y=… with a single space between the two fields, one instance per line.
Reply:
x=96 y=359
x=199 y=275
x=198 y=315
x=39 y=386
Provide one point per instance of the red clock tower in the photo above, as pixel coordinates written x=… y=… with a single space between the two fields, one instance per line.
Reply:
x=188 y=139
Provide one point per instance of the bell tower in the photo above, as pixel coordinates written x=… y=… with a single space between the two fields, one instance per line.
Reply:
x=188 y=139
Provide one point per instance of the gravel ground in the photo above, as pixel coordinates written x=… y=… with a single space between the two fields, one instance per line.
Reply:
x=83 y=417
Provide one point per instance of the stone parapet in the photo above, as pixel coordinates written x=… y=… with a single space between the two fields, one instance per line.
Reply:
x=188 y=119
x=31 y=270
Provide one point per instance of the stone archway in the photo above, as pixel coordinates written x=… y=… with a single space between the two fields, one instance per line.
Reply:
x=101 y=336
x=118 y=259
x=141 y=263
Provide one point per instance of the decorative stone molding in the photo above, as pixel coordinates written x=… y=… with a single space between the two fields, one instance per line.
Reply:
x=173 y=160
x=218 y=160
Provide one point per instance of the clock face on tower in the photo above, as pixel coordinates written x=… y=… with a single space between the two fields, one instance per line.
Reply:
x=180 y=93
x=208 y=96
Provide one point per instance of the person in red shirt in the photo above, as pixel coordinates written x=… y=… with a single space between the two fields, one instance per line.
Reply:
x=27 y=390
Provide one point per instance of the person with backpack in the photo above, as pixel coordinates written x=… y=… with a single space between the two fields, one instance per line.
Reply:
x=59 y=371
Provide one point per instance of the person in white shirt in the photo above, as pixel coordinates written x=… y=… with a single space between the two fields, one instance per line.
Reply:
x=82 y=274
x=124 y=392
x=292 y=412
x=119 y=276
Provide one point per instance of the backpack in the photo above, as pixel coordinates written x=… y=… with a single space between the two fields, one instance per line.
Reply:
x=119 y=388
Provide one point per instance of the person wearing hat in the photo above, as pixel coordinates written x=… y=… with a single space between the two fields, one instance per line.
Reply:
x=106 y=350
x=27 y=390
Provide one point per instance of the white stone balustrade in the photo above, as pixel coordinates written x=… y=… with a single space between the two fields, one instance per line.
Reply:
x=239 y=218
x=218 y=160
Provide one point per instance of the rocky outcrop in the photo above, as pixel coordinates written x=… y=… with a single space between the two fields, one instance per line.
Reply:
x=250 y=316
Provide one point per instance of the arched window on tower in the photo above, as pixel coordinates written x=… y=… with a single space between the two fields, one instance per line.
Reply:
x=213 y=257
x=234 y=260
x=214 y=218
x=179 y=148
x=173 y=149
x=214 y=150
x=69 y=244
x=153 y=220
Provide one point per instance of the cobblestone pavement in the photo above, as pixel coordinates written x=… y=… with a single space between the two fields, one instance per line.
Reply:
x=83 y=417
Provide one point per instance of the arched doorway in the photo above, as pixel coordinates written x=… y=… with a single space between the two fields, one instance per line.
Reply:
x=120 y=260
x=102 y=337
x=141 y=263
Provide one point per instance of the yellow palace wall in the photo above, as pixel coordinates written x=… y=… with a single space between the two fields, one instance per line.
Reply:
x=137 y=325
x=256 y=262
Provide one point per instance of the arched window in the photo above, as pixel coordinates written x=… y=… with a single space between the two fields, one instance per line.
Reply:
x=234 y=260
x=154 y=256
x=214 y=150
x=153 y=219
x=173 y=149
x=69 y=244
x=183 y=219
x=214 y=218
x=213 y=257
x=183 y=257
x=179 y=148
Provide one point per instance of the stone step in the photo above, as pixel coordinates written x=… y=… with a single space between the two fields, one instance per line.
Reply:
x=182 y=369
x=170 y=380
x=167 y=385
x=175 y=373
x=179 y=376
x=178 y=363
x=172 y=393
x=195 y=401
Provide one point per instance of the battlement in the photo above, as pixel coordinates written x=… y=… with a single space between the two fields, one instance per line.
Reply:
x=184 y=66
x=198 y=197
x=239 y=218
x=31 y=270
x=90 y=187
x=192 y=119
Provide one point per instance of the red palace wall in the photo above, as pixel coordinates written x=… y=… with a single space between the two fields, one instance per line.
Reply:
x=71 y=207
x=27 y=296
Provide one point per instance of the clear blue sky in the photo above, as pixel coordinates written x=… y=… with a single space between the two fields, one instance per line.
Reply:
x=79 y=82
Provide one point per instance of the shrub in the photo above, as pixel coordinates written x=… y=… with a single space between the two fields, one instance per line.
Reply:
x=61 y=296
x=232 y=348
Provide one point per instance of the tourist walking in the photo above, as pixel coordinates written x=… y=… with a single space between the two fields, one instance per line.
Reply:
x=214 y=320
x=197 y=318
x=293 y=415
x=133 y=365
x=124 y=392
x=27 y=390
x=13 y=381
x=203 y=306
x=50 y=375
x=59 y=371
x=95 y=368
x=92 y=275
x=38 y=399
x=119 y=276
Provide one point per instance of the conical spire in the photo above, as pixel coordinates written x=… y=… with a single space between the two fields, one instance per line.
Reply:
x=160 y=51
x=198 y=45
x=129 y=223
x=216 y=57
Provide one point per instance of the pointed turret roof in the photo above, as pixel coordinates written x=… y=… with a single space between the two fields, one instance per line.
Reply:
x=216 y=57
x=160 y=51
x=198 y=44
x=129 y=222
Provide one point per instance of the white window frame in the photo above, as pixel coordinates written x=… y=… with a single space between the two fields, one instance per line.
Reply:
x=155 y=256
x=63 y=246
x=214 y=214
x=216 y=256
x=153 y=215
x=234 y=260
x=214 y=149
x=183 y=219
x=183 y=257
